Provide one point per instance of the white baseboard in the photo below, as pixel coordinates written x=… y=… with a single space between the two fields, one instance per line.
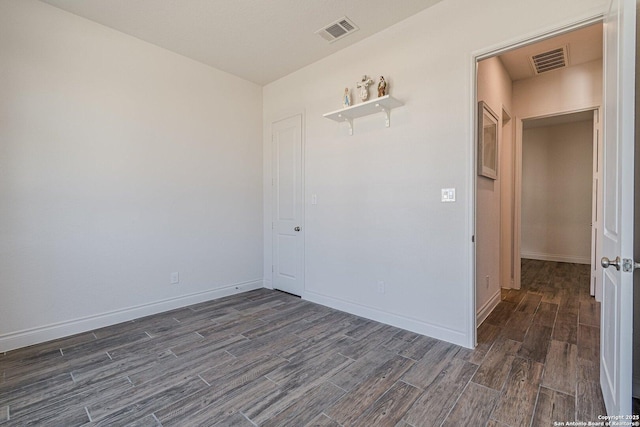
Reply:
x=24 y=338
x=413 y=325
x=556 y=257
x=484 y=311
x=636 y=387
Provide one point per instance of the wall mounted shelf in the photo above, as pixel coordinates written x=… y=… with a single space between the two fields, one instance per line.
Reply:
x=384 y=104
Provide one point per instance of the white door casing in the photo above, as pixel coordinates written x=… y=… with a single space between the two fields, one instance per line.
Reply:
x=288 y=205
x=617 y=227
x=596 y=205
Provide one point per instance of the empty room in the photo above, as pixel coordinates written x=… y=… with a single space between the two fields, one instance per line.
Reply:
x=274 y=213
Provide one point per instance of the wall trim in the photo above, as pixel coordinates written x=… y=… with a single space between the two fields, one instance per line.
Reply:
x=487 y=308
x=435 y=331
x=556 y=257
x=40 y=334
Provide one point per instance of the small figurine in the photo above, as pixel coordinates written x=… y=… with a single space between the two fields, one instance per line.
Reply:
x=346 y=99
x=363 y=85
x=382 y=87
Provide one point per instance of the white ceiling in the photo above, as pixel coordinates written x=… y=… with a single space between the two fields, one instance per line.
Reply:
x=258 y=40
x=584 y=45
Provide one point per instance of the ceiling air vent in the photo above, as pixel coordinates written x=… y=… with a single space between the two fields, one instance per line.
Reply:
x=550 y=60
x=337 y=30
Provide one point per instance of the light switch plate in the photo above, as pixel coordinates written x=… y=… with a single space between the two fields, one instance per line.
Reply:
x=448 y=194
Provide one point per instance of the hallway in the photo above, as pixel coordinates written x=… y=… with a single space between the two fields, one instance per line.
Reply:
x=553 y=322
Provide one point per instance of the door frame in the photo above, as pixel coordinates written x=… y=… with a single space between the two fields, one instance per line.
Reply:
x=477 y=56
x=268 y=187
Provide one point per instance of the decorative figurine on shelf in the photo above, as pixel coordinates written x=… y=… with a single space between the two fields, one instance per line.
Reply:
x=382 y=87
x=346 y=98
x=363 y=85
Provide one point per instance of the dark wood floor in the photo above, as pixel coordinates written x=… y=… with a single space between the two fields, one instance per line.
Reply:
x=269 y=359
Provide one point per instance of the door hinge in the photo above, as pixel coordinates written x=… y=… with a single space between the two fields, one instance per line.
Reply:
x=473 y=239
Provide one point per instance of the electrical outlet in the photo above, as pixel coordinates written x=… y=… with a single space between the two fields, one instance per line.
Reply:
x=175 y=278
x=381 y=287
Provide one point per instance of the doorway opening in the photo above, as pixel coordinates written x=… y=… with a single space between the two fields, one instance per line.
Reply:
x=559 y=189
x=537 y=222
x=542 y=88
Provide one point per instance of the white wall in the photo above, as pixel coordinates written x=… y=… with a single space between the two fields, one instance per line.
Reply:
x=575 y=88
x=557 y=164
x=494 y=88
x=379 y=215
x=120 y=163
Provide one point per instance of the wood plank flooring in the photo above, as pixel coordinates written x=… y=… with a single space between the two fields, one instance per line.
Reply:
x=265 y=358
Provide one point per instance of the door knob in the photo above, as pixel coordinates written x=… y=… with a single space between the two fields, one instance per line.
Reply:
x=296 y=229
x=606 y=262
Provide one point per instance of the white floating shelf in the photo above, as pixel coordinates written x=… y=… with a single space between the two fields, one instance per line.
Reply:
x=384 y=104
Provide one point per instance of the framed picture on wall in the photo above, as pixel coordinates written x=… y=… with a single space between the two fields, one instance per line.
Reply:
x=487 y=141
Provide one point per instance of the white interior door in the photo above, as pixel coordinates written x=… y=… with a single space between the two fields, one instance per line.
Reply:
x=617 y=236
x=288 y=205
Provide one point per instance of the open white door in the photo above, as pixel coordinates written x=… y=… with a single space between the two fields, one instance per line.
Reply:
x=617 y=235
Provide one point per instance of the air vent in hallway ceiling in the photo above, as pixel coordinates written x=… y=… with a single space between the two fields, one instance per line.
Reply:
x=550 y=60
x=337 y=30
